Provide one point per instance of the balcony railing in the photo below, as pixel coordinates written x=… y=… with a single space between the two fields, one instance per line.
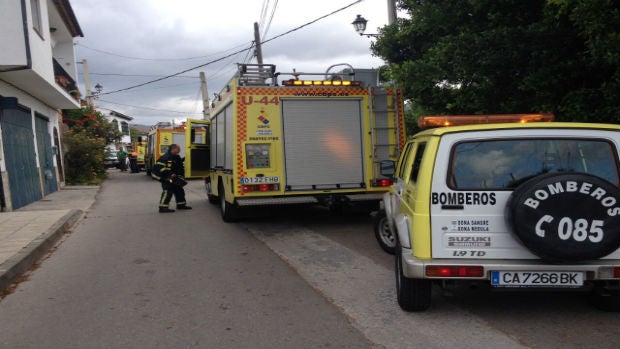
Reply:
x=65 y=80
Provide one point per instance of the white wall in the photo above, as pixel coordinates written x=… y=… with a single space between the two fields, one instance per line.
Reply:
x=13 y=52
x=40 y=45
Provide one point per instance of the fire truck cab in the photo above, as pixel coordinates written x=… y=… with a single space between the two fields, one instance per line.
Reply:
x=301 y=141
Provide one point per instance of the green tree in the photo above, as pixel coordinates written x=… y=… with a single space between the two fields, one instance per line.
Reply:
x=85 y=142
x=508 y=56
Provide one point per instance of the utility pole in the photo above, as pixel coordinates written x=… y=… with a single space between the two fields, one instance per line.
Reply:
x=259 y=51
x=391 y=11
x=206 y=109
x=89 y=92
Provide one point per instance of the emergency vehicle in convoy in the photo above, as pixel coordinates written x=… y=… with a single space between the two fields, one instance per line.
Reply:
x=191 y=135
x=140 y=147
x=302 y=141
x=506 y=202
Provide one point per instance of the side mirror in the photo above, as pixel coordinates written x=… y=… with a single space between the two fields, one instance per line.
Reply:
x=387 y=168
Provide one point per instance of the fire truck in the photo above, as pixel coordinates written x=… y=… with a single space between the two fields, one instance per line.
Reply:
x=139 y=147
x=317 y=141
x=191 y=135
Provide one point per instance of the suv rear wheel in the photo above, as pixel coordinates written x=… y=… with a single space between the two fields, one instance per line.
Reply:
x=606 y=298
x=412 y=294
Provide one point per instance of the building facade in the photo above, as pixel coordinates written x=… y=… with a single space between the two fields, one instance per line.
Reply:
x=121 y=123
x=37 y=80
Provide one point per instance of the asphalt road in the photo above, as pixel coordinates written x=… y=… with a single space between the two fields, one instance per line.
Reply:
x=130 y=277
x=284 y=278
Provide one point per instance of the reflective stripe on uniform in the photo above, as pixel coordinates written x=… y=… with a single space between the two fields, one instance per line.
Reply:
x=163 y=198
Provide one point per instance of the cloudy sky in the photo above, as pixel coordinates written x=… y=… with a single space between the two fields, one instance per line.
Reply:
x=131 y=42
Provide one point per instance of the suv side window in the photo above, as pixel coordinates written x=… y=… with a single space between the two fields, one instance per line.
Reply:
x=417 y=160
x=400 y=170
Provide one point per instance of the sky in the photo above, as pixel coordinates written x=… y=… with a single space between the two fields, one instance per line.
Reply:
x=127 y=43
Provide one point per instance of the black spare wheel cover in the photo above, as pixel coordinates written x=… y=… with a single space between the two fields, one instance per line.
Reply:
x=566 y=217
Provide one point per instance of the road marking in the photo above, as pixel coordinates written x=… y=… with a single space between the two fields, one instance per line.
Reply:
x=365 y=292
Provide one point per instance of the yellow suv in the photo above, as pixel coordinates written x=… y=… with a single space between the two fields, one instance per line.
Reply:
x=512 y=204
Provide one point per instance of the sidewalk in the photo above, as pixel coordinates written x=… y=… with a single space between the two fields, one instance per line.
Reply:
x=28 y=233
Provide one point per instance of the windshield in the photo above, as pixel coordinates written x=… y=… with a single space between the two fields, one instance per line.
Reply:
x=500 y=164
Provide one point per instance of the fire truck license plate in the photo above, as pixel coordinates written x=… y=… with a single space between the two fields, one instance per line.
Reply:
x=258 y=180
x=536 y=279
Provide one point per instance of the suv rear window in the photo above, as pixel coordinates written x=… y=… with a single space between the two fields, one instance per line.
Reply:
x=505 y=164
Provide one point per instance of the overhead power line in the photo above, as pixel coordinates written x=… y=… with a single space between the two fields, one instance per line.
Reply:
x=140 y=75
x=139 y=107
x=273 y=11
x=159 y=59
x=232 y=54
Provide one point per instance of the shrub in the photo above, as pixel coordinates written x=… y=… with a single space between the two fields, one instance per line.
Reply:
x=84 y=145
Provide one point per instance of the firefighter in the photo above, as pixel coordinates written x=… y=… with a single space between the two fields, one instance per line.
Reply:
x=168 y=169
x=133 y=162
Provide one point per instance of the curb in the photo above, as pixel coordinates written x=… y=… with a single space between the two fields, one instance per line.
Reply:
x=22 y=261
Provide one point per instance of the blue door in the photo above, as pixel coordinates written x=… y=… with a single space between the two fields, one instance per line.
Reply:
x=19 y=156
x=46 y=162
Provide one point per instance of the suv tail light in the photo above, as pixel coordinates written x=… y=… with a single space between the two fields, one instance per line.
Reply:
x=454 y=271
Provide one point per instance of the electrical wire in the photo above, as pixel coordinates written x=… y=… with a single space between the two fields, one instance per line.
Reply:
x=263 y=13
x=138 y=107
x=273 y=11
x=197 y=98
x=160 y=59
x=234 y=53
x=139 y=75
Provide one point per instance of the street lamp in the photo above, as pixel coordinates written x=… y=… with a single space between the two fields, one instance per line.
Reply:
x=360 y=26
x=98 y=88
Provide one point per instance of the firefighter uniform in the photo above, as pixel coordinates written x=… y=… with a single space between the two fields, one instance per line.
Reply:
x=166 y=166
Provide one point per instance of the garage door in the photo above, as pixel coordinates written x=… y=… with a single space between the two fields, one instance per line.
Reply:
x=19 y=155
x=46 y=162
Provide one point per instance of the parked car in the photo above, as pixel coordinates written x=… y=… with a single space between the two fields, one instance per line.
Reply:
x=111 y=159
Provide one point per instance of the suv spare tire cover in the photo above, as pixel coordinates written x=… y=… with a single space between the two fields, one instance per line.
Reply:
x=566 y=217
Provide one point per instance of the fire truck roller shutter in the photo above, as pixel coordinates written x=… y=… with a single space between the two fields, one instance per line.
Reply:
x=323 y=144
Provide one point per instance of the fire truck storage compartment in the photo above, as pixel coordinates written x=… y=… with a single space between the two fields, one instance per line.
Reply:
x=323 y=145
x=221 y=144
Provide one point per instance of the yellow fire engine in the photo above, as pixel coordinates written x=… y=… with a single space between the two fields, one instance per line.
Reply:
x=304 y=141
x=191 y=135
x=140 y=147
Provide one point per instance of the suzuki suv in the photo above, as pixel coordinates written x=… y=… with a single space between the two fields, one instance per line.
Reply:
x=514 y=205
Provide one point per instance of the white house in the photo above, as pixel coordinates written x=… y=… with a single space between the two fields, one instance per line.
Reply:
x=37 y=80
x=121 y=122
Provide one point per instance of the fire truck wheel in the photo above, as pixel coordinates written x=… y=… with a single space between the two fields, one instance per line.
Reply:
x=412 y=294
x=384 y=235
x=566 y=217
x=213 y=199
x=228 y=211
